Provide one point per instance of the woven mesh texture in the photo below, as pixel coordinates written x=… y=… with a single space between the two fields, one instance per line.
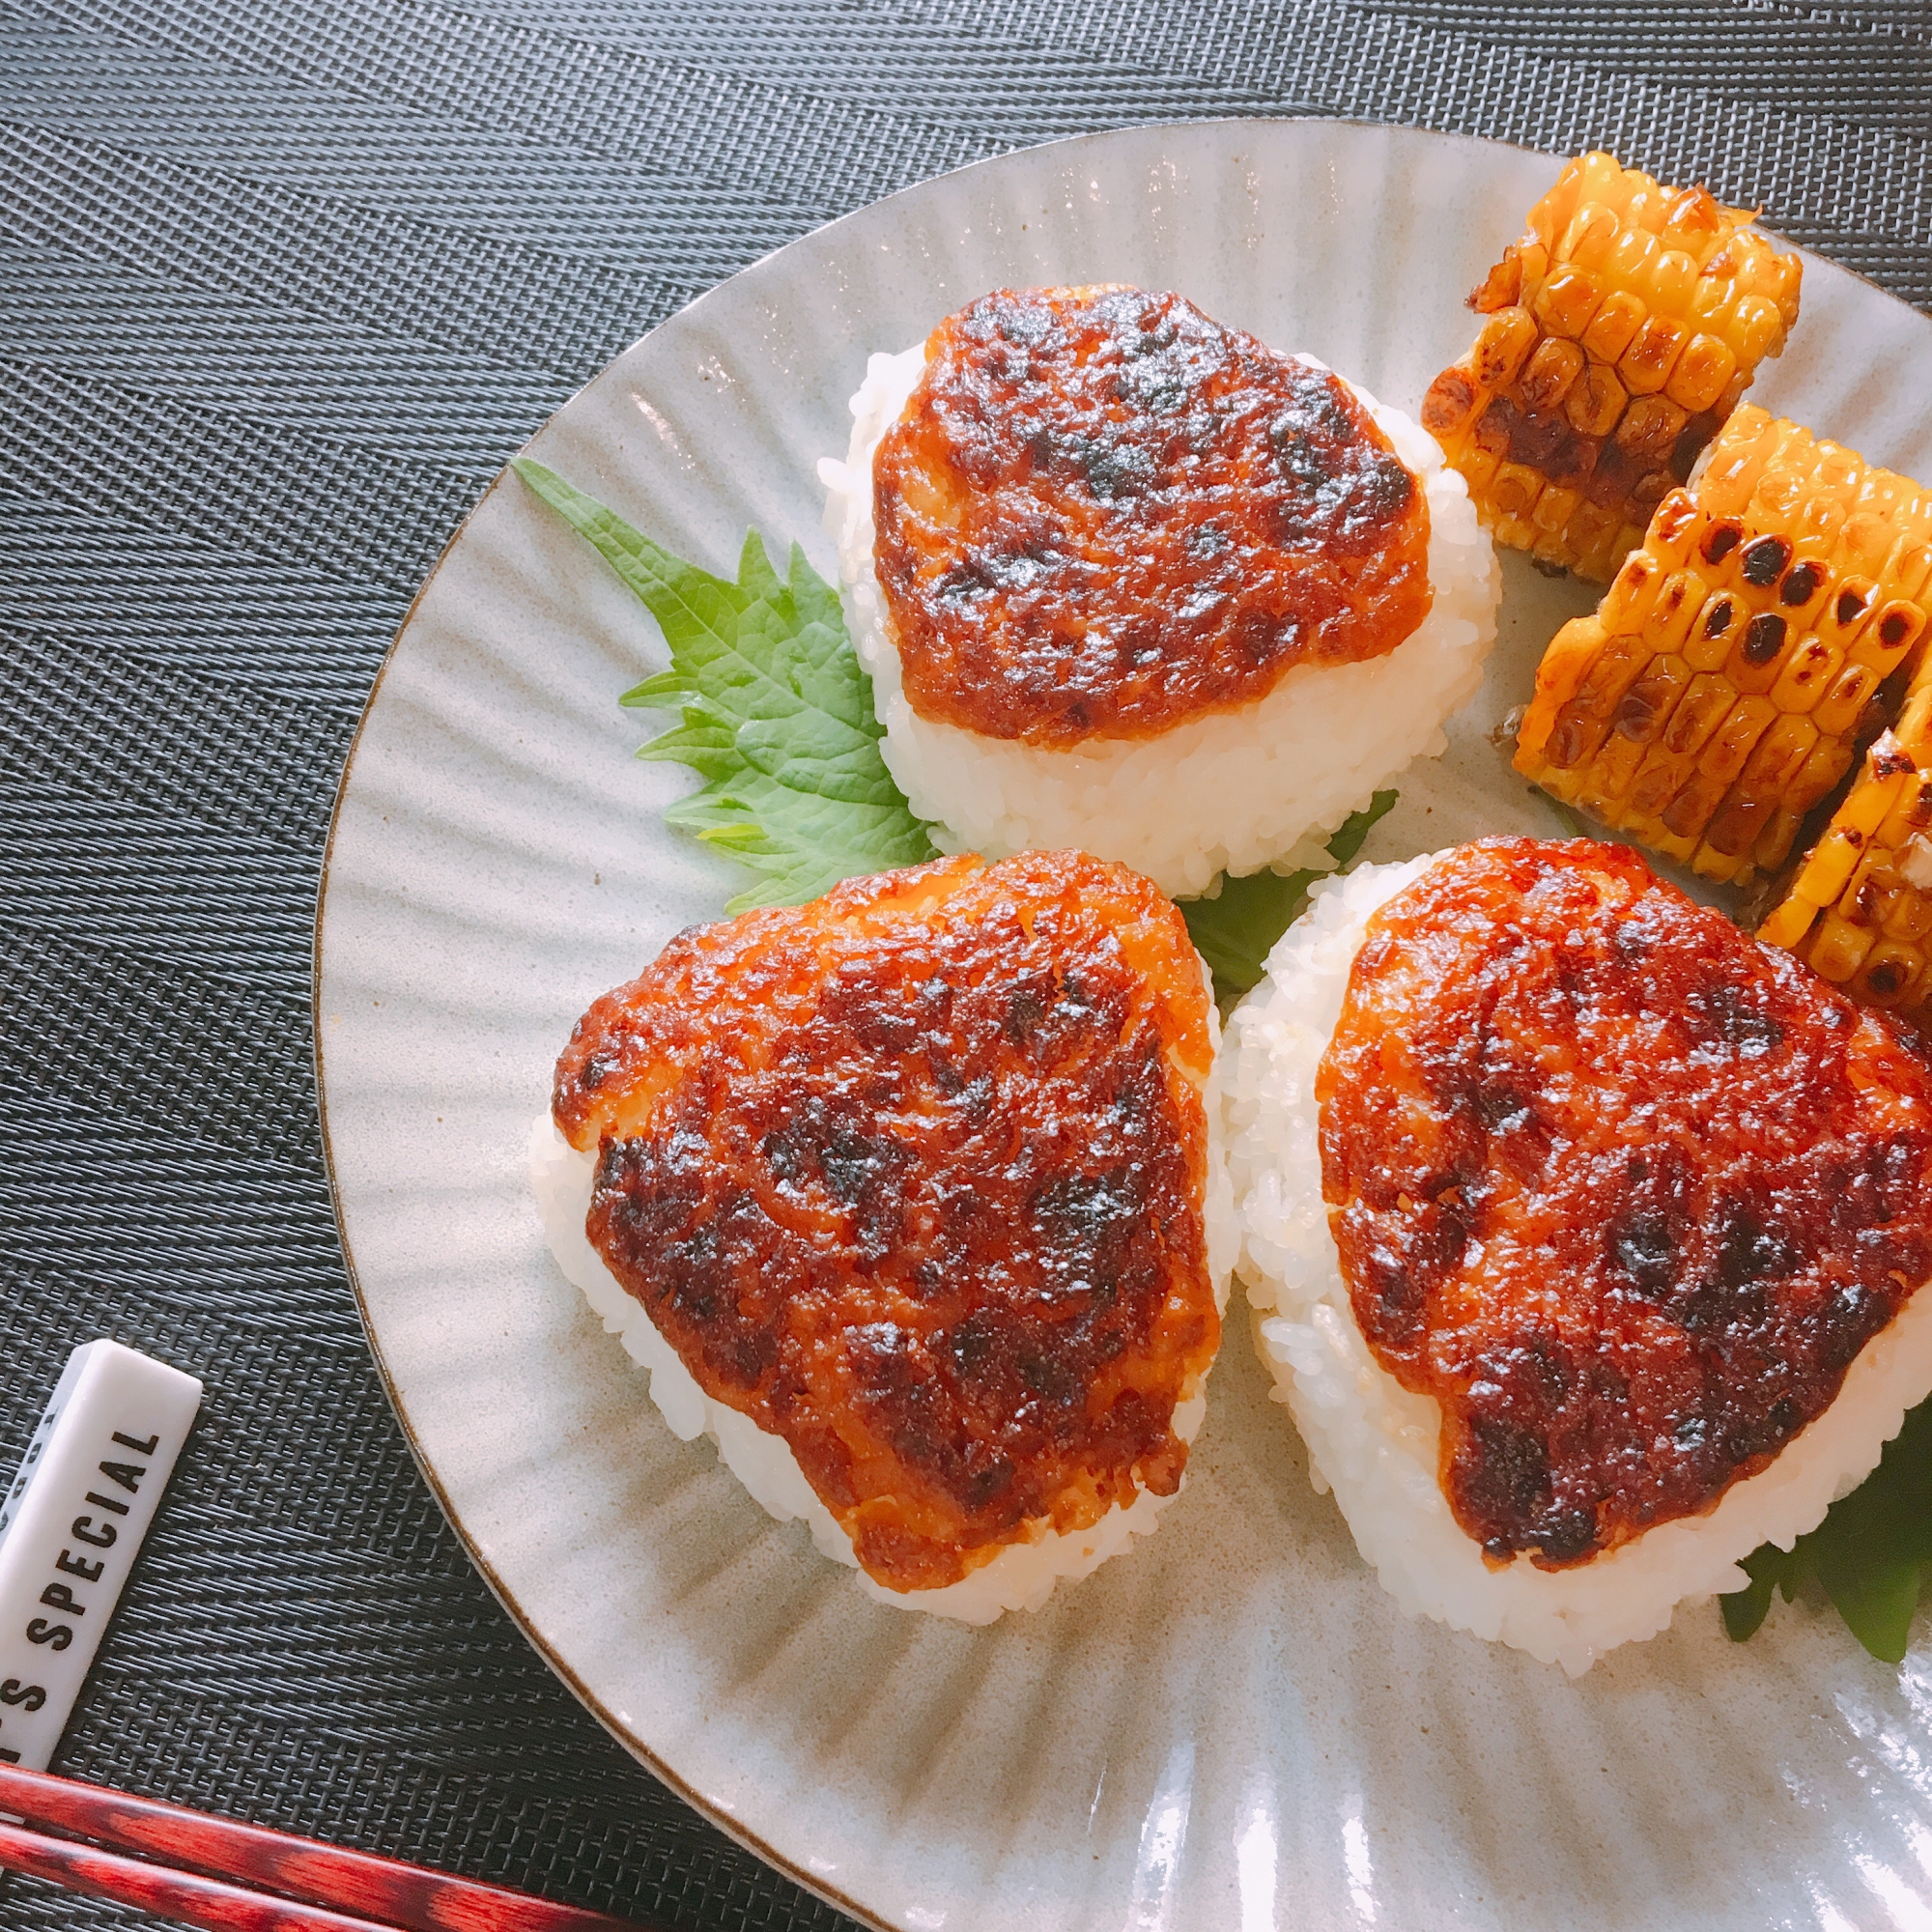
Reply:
x=280 y=288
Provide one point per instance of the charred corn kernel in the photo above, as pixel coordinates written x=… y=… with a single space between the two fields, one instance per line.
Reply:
x=1714 y=631
x=1675 y=527
x=1594 y=400
x=1800 y=595
x=1673 y=610
x=1757 y=653
x=1645 y=366
x=1646 y=706
x=1614 y=327
x=1478 y=467
x=1723 y=758
x=1890 y=974
x=1843 y=704
x=1706 y=365
x=1739 y=656
x=1501 y=348
x=1889 y=635
x=1846 y=606
x=1609 y=775
x=1553 y=508
x=1611 y=674
x=1619 y=333
x=1450 y=403
x=1573 y=739
x=1809 y=668
x=1632 y=592
x=1836 y=949
x=1567 y=301
x=1649 y=427
x=1910 y=918
x=1548 y=375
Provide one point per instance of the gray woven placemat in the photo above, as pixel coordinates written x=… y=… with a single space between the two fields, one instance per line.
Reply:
x=280 y=287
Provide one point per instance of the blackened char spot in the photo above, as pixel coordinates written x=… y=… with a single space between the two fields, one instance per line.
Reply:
x=1506 y=1477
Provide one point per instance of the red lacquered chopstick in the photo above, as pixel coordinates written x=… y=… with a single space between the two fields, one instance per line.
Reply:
x=214 y=1872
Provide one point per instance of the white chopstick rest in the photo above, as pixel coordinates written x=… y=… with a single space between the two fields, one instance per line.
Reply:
x=70 y=1527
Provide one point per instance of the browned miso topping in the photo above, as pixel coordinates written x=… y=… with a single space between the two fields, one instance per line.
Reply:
x=913 y=1176
x=1623 y=1189
x=1102 y=513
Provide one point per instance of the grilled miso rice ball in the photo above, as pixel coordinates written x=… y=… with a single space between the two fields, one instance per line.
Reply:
x=1128 y=579
x=912 y=1199
x=1585 y=1236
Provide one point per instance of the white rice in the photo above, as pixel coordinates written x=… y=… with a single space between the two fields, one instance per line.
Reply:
x=1022 y=1576
x=1235 y=791
x=1375 y=1444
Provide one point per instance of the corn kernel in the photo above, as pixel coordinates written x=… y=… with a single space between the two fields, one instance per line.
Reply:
x=1594 y=400
x=1612 y=328
x=1591 y=235
x=1836 y=949
x=1548 y=375
x=1502 y=343
x=1888 y=973
x=1809 y=671
x=1837 y=711
x=1514 y=489
x=1702 y=370
x=1695 y=222
x=1645 y=366
x=1734 y=740
x=1651 y=425
x=1703 y=707
x=1788 y=924
x=1612 y=673
x=1567 y=301
x=1477 y=468
x=1633 y=591
x=1646 y=706
x=1714 y=631
x=1754 y=329
x=1450 y=403
x=1824 y=874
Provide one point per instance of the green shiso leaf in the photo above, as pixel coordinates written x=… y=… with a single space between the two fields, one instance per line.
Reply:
x=777 y=710
x=1871 y=1554
x=1236 y=931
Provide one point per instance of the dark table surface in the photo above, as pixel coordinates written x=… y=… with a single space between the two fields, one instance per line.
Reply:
x=282 y=283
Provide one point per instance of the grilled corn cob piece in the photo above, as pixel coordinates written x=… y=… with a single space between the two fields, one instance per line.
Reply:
x=1860 y=907
x=1743 y=653
x=1617 y=335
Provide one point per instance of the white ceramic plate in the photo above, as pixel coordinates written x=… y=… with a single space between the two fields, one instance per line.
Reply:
x=1231 y=1727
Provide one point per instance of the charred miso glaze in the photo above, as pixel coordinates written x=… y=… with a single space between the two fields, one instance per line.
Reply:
x=1624 y=1190
x=1102 y=513
x=913 y=1176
